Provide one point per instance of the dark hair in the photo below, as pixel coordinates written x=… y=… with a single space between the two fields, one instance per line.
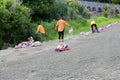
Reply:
x=61 y=18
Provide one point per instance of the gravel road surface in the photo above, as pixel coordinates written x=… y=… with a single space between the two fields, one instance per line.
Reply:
x=92 y=57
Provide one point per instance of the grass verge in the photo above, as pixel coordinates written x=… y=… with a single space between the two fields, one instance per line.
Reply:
x=78 y=26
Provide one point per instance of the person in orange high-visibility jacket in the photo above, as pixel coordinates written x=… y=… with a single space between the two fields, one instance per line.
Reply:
x=60 y=28
x=41 y=30
x=93 y=25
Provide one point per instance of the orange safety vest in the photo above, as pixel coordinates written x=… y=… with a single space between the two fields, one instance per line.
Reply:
x=40 y=29
x=60 y=25
x=93 y=22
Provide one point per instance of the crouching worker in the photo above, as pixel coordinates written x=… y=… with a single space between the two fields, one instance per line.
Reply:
x=40 y=29
x=94 y=26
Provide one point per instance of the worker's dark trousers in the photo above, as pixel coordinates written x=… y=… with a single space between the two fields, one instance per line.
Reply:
x=94 y=26
x=61 y=35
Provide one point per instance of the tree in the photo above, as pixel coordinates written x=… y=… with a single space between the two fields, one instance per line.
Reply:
x=116 y=1
x=15 y=22
x=41 y=9
x=77 y=10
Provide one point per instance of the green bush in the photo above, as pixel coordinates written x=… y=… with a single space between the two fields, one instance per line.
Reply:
x=105 y=11
x=109 y=11
x=15 y=23
x=51 y=33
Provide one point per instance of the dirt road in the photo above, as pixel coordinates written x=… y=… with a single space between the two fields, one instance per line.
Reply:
x=92 y=57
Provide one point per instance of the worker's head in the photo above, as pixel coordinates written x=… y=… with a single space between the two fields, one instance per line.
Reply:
x=61 y=17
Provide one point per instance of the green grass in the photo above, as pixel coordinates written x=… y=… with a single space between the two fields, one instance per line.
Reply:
x=84 y=25
x=78 y=26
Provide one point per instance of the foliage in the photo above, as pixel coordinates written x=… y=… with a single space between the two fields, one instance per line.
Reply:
x=47 y=10
x=72 y=3
x=76 y=10
x=18 y=21
x=61 y=9
x=105 y=11
x=15 y=22
x=79 y=25
x=50 y=30
x=41 y=9
x=109 y=11
x=19 y=18
x=113 y=11
x=116 y=1
x=84 y=25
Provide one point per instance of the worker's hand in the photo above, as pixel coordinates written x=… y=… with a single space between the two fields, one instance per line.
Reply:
x=70 y=30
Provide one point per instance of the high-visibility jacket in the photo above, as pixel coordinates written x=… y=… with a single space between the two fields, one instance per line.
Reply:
x=92 y=22
x=60 y=25
x=40 y=29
